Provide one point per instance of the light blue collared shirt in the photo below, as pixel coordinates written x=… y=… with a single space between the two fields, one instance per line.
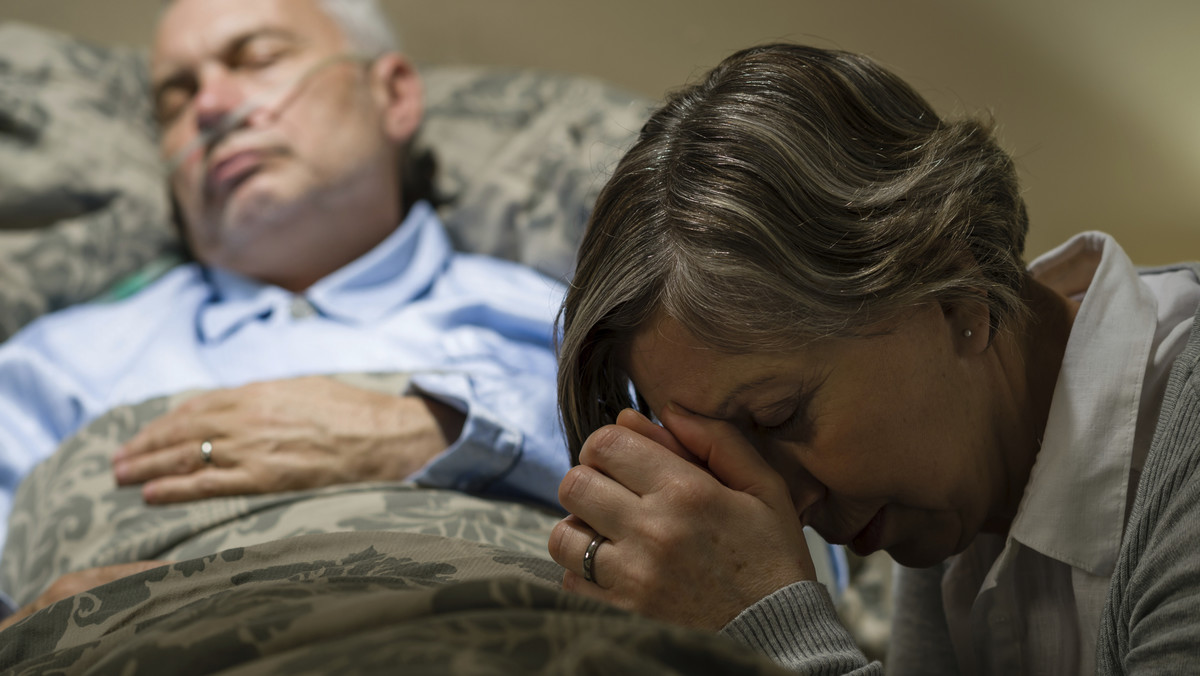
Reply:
x=476 y=331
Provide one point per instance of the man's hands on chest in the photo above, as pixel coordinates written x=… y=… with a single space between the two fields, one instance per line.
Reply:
x=284 y=435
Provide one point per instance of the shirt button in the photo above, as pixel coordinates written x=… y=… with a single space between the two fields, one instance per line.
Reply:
x=301 y=308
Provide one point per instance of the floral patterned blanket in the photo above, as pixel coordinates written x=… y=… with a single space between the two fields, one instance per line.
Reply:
x=352 y=579
x=355 y=603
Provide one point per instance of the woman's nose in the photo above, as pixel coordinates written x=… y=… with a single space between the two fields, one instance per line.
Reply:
x=806 y=491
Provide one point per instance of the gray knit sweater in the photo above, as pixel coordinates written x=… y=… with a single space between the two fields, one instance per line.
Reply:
x=1151 y=621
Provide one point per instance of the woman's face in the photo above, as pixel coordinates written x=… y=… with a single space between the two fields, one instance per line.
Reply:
x=884 y=440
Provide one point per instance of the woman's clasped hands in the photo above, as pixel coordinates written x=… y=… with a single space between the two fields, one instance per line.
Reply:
x=692 y=525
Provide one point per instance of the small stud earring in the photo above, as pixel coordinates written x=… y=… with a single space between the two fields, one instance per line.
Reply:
x=967 y=333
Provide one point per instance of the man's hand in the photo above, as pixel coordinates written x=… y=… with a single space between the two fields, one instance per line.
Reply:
x=284 y=435
x=79 y=581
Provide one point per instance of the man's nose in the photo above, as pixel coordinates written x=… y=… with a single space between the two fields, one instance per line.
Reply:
x=219 y=94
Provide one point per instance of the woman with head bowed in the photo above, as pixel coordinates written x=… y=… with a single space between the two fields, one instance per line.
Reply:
x=802 y=301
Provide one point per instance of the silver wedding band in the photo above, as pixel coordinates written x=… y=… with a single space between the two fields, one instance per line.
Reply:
x=206 y=451
x=589 y=558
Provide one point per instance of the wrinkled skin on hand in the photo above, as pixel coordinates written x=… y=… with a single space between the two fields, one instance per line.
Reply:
x=77 y=582
x=699 y=527
x=284 y=435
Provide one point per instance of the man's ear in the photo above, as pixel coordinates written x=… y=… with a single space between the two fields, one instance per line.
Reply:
x=399 y=93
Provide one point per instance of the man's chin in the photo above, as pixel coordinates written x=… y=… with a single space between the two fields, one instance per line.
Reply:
x=241 y=229
x=255 y=208
x=253 y=191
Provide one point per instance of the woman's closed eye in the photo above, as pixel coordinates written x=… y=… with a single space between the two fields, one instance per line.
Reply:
x=790 y=417
x=786 y=424
x=795 y=424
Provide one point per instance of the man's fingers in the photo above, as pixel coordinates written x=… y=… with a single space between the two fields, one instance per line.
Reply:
x=209 y=402
x=206 y=483
x=180 y=459
x=722 y=449
x=171 y=429
x=201 y=417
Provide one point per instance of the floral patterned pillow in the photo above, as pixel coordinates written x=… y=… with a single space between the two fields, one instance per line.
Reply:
x=82 y=201
x=520 y=157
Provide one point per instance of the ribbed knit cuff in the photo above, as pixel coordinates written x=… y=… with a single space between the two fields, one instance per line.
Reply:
x=798 y=628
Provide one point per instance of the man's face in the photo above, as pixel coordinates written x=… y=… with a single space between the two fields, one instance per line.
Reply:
x=308 y=181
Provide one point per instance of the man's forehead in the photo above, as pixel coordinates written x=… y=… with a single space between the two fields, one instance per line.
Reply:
x=194 y=29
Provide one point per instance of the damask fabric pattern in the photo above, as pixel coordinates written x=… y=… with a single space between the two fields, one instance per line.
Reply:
x=70 y=515
x=356 y=603
x=350 y=579
x=521 y=156
x=82 y=199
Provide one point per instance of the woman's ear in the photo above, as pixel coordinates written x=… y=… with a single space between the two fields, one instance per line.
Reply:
x=399 y=93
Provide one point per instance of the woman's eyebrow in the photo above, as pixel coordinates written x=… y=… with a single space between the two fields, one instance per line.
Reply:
x=723 y=410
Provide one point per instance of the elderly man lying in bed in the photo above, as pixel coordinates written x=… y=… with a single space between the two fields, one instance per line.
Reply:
x=285 y=124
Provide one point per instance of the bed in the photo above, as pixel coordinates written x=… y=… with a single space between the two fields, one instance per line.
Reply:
x=358 y=578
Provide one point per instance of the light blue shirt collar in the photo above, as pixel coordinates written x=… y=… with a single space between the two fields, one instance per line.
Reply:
x=396 y=271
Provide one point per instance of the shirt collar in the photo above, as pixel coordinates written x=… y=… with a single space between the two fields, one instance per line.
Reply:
x=395 y=272
x=1074 y=505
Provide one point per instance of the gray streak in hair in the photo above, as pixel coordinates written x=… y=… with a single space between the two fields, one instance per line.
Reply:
x=365 y=26
x=792 y=195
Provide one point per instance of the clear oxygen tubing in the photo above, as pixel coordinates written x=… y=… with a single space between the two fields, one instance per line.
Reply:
x=236 y=119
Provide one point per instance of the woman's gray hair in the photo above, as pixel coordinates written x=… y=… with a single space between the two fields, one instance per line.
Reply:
x=366 y=28
x=792 y=195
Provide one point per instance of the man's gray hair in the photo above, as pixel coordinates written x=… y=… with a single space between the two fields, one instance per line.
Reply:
x=364 y=25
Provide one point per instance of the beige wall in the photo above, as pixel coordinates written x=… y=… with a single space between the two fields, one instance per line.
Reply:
x=1098 y=101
